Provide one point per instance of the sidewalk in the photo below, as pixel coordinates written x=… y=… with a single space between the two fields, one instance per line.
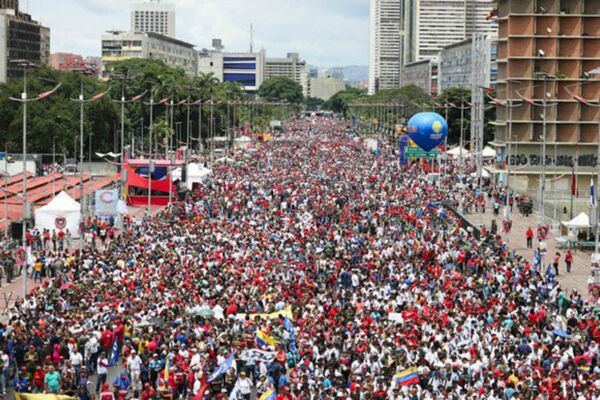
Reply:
x=580 y=270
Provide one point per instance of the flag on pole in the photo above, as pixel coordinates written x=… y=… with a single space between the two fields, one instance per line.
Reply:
x=592 y=193
x=574 y=184
x=222 y=368
x=114 y=359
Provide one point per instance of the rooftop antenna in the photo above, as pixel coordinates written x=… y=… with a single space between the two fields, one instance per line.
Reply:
x=251 y=38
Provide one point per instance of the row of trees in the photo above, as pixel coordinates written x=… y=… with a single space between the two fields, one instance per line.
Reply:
x=355 y=102
x=56 y=119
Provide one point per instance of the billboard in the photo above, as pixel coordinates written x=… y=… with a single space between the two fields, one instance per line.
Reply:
x=106 y=203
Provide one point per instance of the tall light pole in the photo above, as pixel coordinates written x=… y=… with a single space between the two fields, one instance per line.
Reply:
x=123 y=78
x=509 y=103
x=25 y=101
x=594 y=104
x=152 y=103
x=82 y=102
x=545 y=105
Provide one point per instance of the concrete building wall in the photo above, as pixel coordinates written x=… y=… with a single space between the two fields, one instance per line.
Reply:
x=119 y=46
x=325 y=88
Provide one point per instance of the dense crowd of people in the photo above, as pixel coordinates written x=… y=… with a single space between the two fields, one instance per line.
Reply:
x=309 y=268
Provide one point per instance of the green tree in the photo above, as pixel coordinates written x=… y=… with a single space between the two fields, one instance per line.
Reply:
x=313 y=103
x=280 y=88
x=455 y=97
x=340 y=102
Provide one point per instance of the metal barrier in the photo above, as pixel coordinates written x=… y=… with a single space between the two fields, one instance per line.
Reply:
x=465 y=223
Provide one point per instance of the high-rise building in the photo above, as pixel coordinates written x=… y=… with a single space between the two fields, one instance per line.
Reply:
x=290 y=67
x=430 y=25
x=385 y=45
x=548 y=64
x=10 y=5
x=153 y=16
x=21 y=38
x=456 y=64
x=118 y=46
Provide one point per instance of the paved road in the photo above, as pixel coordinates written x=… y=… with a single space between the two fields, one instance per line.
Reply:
x=580 y=271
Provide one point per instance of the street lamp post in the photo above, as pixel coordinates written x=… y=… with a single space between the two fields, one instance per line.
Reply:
x=82 y=101
x=25 y=101
x=594 y=104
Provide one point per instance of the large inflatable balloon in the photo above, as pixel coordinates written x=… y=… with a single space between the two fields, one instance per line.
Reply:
x=427 y=130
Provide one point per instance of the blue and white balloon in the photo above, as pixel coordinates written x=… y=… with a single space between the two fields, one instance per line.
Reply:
x=427 y=130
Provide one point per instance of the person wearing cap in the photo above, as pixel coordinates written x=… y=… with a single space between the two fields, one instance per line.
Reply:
x=243 y=386
x=134 y=366
x=106 y=394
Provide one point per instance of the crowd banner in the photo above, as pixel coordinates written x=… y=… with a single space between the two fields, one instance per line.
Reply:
x=42 y=396
x=254 y=356
x=286 y=312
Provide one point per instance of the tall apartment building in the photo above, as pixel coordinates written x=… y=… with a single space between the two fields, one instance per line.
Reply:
x=21 y=38
x=153 y=16
x=119 y=46
x=385 y=45
x=290 y=67
x=430 y=25
x=548 y=50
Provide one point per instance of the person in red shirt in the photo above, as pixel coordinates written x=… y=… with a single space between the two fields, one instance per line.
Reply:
x=529 y=235
x=107 y=339
x=38 y=379
x=285 y=394
x=568 y=260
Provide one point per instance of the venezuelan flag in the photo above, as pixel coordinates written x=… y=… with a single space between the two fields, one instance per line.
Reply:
x=270 y=394
x=262 y=339
x=409 y=376
x=584 y=368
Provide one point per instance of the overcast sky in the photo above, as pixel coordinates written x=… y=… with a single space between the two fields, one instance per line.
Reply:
x=325 y=32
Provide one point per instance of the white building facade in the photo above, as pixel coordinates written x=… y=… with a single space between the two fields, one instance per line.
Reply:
x=153 y=16
x=247 y=69
x=119 y=46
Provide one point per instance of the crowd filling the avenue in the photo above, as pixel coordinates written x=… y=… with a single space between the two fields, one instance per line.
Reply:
x=309 y=268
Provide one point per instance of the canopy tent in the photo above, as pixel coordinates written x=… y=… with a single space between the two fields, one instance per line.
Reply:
x=455 y=152
x=488 y=152
x=484 y=174
x=61 y=213
x=580 y=221
x=196 y=173
x=243 y=142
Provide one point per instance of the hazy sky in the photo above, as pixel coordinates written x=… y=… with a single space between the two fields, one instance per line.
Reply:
x=324 y=32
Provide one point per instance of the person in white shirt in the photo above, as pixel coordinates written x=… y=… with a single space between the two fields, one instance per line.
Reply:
x=134 y=365
x=102 y=370
x=243 y=386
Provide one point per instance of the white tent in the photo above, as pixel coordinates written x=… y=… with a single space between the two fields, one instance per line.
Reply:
x=455 y=152
x=61 y=213
x=488 y=152
x=243 y=142
x=196 y=173
x=580 y=221
x=484 y=174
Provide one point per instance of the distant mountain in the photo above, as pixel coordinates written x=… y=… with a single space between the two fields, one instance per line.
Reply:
x=356 y=73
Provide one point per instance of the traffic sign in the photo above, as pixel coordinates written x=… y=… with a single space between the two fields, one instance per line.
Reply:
x=417 y=152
